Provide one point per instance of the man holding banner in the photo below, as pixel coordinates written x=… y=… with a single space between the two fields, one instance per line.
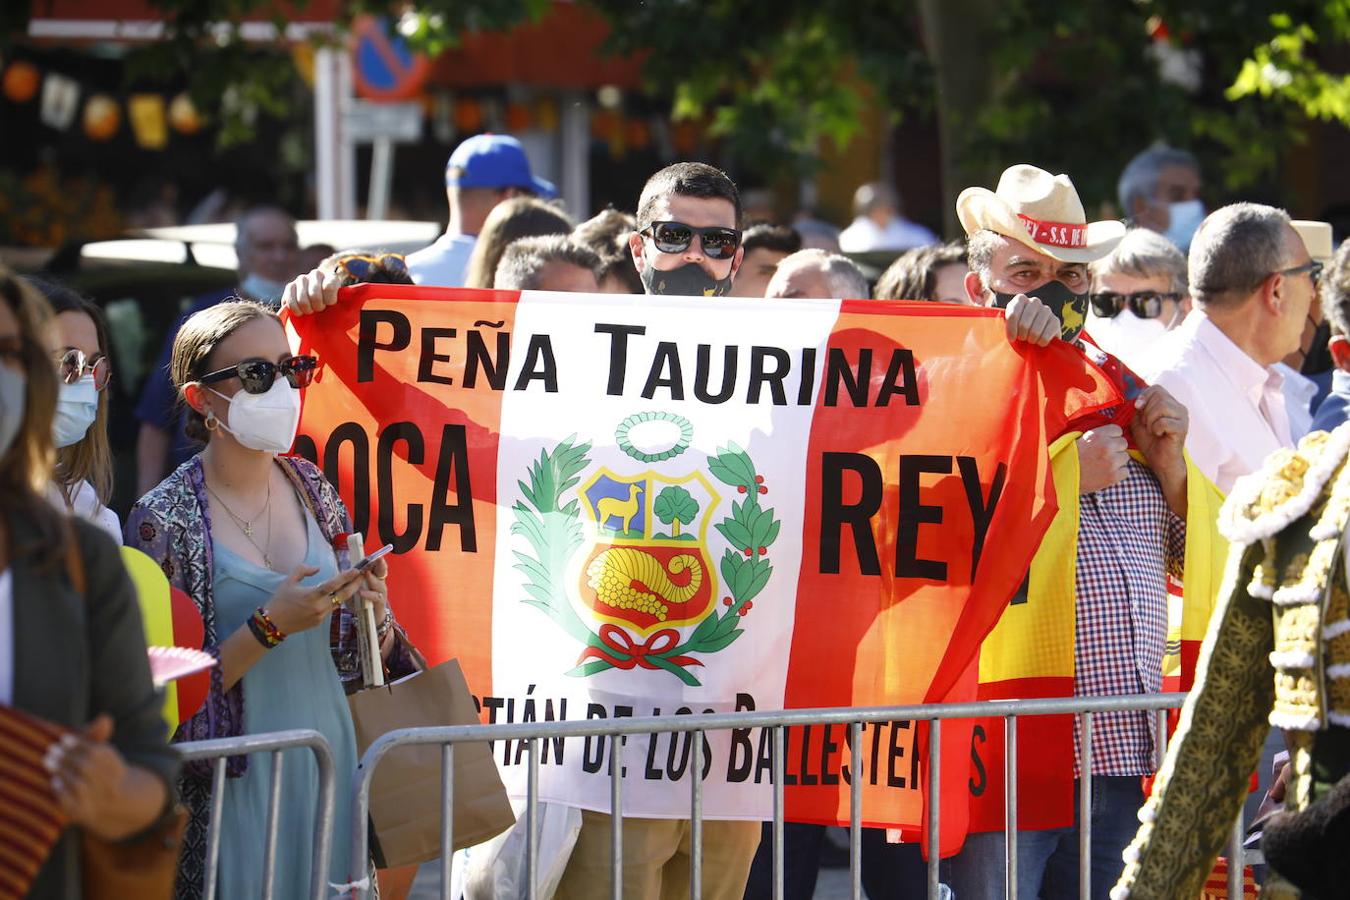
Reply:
x=1093 y=614
x=685 y=505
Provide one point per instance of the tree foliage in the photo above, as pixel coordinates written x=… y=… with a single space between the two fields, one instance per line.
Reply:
x=1074 y=86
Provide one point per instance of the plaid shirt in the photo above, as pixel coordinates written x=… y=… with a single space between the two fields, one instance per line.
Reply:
x=1128 y=540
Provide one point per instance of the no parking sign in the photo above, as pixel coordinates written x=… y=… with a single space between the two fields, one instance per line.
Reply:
x=384 y=66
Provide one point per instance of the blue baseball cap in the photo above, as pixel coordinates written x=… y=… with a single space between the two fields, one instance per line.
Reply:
x=495 y=161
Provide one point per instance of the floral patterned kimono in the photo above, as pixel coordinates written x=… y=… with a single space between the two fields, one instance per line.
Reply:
x=172 y=525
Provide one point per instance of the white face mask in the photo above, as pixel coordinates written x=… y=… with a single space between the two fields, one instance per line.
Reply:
x=264 y=289
x=1128 y=337
x=1183 y=220
x=265 y=422
x=76 y=408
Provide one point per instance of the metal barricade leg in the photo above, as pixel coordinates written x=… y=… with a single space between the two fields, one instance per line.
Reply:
x=323 y=840
x=1235 y=858
x=934 y=807
x=696 y=819
x=447 y=817
x=855 y=789
x=1085 y=810
x=273 y=822
x=778 y=751
x=616 y=817
x=1160 y=745
x=1010 y=802
x=213 y=830
x=532 y=823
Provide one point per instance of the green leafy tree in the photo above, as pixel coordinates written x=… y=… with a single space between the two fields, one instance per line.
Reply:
x=1073 y=86
x=675 y=506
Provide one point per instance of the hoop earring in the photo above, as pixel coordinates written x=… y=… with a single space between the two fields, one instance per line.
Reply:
x=211 y=420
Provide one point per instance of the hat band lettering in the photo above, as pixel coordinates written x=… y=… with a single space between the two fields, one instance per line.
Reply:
x=1055 y=234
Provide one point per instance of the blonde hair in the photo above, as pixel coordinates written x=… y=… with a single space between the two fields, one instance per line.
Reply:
x=195 y=343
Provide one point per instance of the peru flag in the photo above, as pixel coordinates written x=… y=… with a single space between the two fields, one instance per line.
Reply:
x=609 y=506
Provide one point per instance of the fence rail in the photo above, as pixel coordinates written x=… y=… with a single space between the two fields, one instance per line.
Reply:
x=220 y=750
x=531 y=733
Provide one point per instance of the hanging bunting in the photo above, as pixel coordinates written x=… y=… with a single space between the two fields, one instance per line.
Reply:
x=183 y=115
x=517 y=118
x=637 y=134
x=60 y=101
x=21 y=81
x=148 y=123
x=102 y=117
x=468 y=116
x=546 y=114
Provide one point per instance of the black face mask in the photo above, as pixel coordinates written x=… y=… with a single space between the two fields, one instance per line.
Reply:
x=1317 y=360
x=1068 y=307
x=689 y=280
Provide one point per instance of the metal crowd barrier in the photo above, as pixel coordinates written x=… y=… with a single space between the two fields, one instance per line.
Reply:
x=934 y=714
x=274 y=742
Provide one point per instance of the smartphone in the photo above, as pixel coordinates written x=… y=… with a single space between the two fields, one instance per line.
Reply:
x=370 y=560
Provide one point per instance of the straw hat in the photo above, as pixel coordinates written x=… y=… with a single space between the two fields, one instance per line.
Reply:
x=1040 y=210
x=1317 y=238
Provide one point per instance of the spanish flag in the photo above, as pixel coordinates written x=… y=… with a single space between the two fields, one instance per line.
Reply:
x=1030 y=652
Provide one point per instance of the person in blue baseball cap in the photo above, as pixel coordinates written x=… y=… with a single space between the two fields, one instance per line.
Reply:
x=482 y=172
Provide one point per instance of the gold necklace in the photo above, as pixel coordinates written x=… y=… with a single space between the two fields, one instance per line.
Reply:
x=246 y=526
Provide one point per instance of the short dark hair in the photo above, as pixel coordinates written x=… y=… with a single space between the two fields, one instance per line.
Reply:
x=768 y=236
x=687 y=179
x=511 y=220
x=524 y=260
x=913 y=275
x=1336 y=290
x=607 y=233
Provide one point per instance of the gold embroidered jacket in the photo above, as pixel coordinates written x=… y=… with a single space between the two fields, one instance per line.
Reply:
x=1277 y=652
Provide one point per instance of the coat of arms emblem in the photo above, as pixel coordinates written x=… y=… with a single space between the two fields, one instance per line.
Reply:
x=626 y=561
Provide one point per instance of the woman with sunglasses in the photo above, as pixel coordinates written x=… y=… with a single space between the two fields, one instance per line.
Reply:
x=72 y=649
x=254 y=539
x=83 y=480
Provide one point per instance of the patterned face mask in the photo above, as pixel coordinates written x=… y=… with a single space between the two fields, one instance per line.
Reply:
x=1068 y=307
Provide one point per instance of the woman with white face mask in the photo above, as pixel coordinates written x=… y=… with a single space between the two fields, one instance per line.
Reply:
x=1139 y=293
x=83 y=481
x=258 y=541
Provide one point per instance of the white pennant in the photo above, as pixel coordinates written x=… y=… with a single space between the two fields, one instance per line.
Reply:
x=60 y=101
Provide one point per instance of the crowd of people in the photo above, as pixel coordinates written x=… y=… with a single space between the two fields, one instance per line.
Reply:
x=1227 y=332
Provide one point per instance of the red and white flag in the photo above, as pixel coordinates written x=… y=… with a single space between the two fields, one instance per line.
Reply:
x=612 y=506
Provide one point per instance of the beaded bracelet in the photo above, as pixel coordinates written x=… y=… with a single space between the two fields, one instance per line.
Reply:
x=382 y=630
x=264 y=629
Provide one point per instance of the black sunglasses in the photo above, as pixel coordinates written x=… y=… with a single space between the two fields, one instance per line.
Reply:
x=1312 y=267
x=675 y=237
x=1144 y=304
x=72 y=365
x=257 y=375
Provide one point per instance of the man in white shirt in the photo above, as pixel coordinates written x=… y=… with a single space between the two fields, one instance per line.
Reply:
x=482 y=172
x=878 y=225
x=1252 y=282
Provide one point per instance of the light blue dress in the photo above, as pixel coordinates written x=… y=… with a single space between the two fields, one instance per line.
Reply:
x=294 y=685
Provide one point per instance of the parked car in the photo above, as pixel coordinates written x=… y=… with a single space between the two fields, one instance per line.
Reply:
x=145 y=282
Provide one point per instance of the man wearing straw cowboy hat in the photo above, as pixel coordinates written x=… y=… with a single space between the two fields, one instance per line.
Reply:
x=1122 y=516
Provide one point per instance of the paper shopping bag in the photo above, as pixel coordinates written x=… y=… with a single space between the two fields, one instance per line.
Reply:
x=405 y=795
